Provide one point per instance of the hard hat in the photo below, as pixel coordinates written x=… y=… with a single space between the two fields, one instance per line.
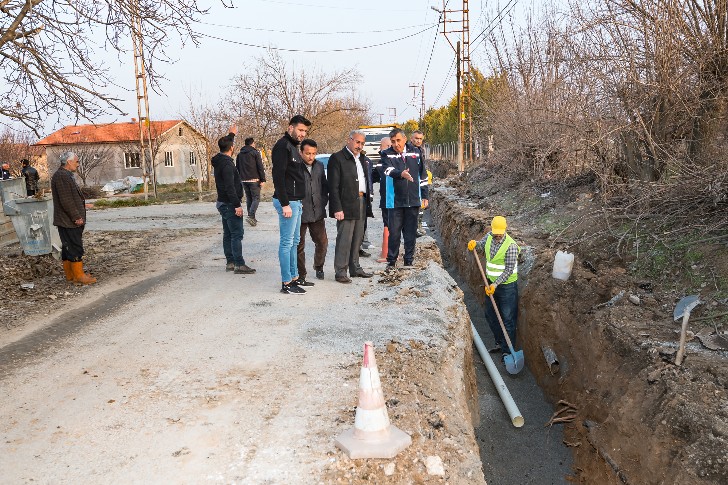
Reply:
x=498 y=225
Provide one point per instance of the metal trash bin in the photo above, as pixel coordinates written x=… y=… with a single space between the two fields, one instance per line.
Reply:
x=32 y=220
x=12 y=189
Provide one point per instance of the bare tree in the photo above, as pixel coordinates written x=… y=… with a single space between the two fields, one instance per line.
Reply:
x=212 y=123
x=270 y=91
x=91 y=157
x=47 y=60
x=15 y=146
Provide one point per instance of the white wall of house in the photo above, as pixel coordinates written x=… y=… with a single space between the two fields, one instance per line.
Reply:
x=113 y=155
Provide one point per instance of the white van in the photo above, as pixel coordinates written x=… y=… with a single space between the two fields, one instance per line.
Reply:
x=374 y=135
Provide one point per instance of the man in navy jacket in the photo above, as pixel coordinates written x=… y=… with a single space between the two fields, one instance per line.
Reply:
x=406 y=191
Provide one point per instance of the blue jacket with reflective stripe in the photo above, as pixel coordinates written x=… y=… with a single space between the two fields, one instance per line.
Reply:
x=401 y=192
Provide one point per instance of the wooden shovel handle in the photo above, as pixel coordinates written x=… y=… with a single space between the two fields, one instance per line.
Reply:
x=683 y=331
x=495 y=307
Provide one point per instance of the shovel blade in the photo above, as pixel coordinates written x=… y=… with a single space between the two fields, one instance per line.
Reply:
x=685 y=305
x=514 y=362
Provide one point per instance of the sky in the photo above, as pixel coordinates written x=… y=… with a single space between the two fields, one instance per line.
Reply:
x=414 y=52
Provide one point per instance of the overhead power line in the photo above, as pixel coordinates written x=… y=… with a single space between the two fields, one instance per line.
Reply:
x=258 y=29
x=338 y=7
x=444 y=85
x=492 y=25
x=345 y=49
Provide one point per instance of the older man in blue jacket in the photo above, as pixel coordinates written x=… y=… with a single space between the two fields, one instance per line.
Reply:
x=406 y=192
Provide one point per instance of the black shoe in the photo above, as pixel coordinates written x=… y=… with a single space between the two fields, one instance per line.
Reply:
x=292 y=289
x=390 y=268
x=364 y=254
x=251 y=221
x=495 y=349
x=362 y=274
x=244 y=269
x=503 y=357
x=409 y=264
x=320 y=274
x=230 y=267
x=301 y=282
x=343 y=279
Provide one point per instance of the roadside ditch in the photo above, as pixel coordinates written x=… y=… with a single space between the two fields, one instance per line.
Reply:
x=631 y=416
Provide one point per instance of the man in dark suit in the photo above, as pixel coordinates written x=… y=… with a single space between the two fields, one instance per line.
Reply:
x=349 y=204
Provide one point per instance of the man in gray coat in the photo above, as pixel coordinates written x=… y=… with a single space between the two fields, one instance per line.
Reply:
x=313 y=216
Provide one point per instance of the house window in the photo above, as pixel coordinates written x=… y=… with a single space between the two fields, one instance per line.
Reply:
x=168 y=159
x=131 y=160
x=193 y=160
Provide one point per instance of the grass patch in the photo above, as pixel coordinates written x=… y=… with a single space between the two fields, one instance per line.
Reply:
x=121 y=202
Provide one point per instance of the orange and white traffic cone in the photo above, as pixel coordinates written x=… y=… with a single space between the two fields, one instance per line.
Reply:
x=385 y=246
x=373 y=436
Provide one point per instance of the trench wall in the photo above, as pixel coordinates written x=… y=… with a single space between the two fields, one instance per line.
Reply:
x=627 y=430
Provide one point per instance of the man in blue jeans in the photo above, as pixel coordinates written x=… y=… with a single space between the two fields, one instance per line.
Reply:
x=229 y=195
x=289 y=189
x=501 y=270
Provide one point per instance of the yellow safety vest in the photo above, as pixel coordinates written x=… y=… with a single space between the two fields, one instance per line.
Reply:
x=495 y=267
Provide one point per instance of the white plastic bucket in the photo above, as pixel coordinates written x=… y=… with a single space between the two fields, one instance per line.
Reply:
x=563 y=262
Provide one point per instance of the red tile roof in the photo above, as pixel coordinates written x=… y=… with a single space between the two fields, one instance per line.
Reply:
x=108 y=133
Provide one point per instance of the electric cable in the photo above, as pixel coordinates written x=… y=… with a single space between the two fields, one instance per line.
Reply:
x=257 y=29
x=444 y=85
x=312 y=50
x=498 y=18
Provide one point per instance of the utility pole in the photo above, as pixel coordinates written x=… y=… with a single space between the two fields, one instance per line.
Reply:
x=414 y=98
x=462 y=53
x=380 y=117
x=422 y=108
x=393 y=114
x=140 y=73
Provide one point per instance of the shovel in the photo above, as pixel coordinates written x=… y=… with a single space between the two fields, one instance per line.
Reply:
x=514 y=360
x=683 y=309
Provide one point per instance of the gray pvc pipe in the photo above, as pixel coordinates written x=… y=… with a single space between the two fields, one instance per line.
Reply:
x=500 y=386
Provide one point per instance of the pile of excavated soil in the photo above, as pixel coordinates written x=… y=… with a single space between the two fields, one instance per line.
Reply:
x=637 y=417
x=108 y=255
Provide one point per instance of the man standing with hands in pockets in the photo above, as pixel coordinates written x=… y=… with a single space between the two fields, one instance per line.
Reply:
x=349 y=204
x=229 y=195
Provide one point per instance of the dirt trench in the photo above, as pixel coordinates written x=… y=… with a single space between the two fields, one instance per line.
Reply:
x=638 y=418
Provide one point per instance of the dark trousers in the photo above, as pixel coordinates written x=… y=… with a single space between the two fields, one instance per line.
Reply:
x=385 y=217
x=252 y=197
x=29 y=192
x=349 y=235
x=71 y=243
x=321 y=243
x=506 y=297
x=402 y=223
x=232 y=234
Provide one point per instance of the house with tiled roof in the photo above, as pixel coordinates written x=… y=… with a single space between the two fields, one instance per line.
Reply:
x=111 y=151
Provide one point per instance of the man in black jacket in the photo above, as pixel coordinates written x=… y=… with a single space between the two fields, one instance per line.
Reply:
x=406 y=191
x=229 y=195
x=349 y=204
x=250 y=167
x=313 y=217
x=289 y=188
x=31 y=177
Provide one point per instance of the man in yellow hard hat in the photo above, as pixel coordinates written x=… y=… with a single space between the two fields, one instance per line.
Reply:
x=501 y=270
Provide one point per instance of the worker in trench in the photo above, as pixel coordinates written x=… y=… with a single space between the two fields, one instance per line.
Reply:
x=501 y=270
